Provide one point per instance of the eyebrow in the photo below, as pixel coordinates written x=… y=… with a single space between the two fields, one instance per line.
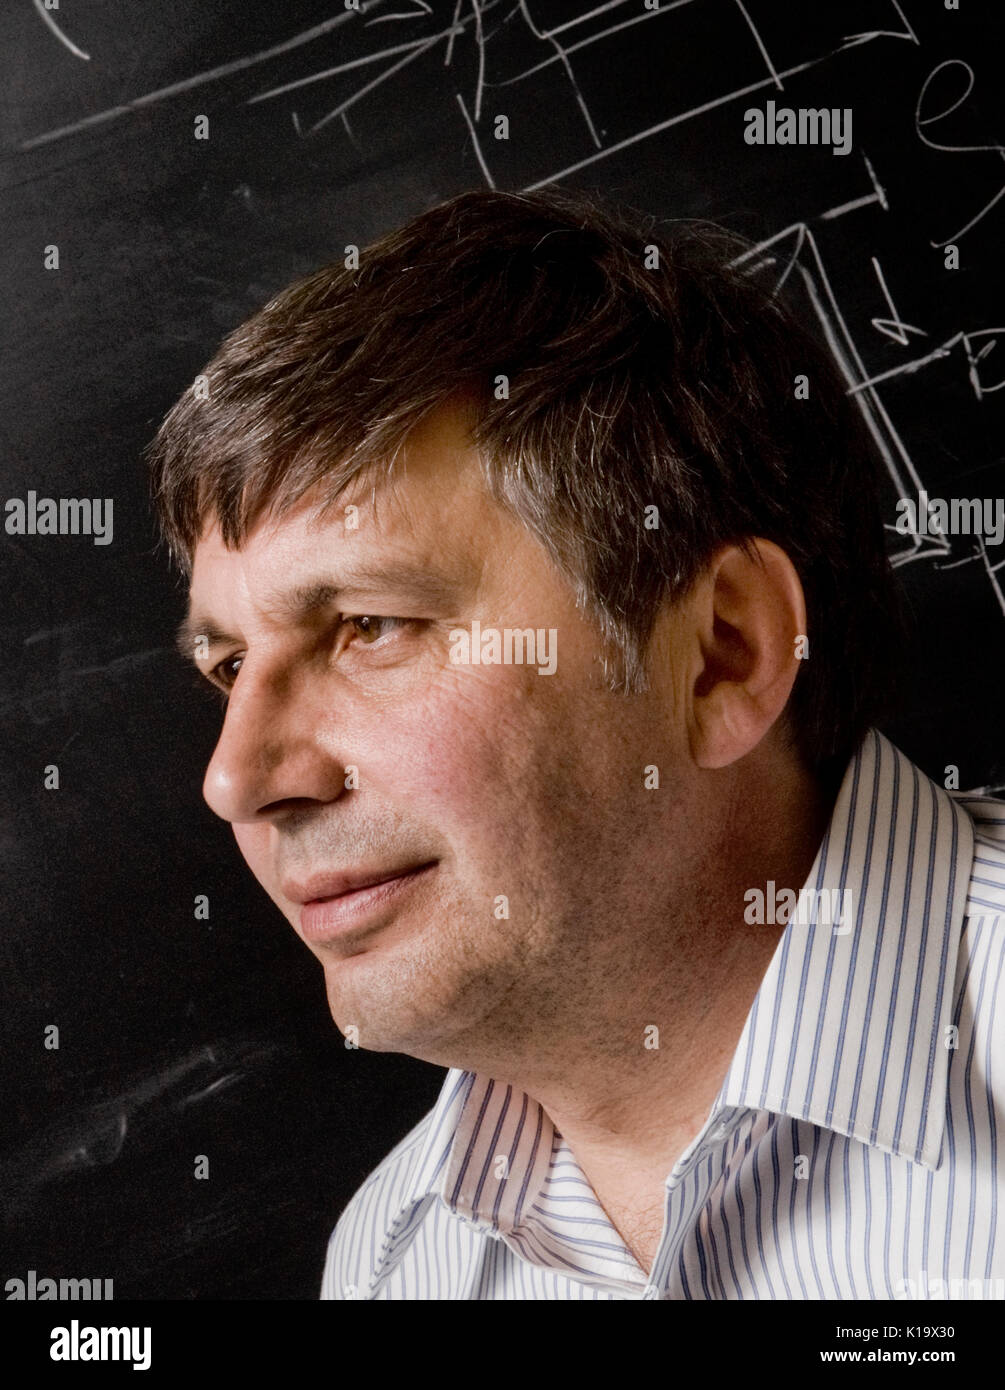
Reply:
x=303 y=601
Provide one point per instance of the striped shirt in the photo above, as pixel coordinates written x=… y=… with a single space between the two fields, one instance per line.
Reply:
x=853 y=1151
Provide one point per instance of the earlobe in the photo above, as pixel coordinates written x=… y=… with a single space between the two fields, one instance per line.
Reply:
x=749 y=617
x=726 y=725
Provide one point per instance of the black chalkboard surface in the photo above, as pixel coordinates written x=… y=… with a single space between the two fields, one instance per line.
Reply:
x=132 y=245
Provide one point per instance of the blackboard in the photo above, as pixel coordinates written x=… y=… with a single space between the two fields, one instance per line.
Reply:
x=181 y=1034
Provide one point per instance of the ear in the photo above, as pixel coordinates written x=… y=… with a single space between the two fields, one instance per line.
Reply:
x=750 y=610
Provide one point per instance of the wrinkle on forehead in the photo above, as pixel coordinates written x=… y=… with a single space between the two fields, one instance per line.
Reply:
x=433 y=510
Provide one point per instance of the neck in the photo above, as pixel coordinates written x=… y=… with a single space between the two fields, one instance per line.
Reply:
x=629 y=1099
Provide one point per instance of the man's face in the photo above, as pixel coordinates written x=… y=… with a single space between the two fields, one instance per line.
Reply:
x=506 y=810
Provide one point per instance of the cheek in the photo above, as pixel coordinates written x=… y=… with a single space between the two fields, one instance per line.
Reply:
x=253 y=842
x=455 y=749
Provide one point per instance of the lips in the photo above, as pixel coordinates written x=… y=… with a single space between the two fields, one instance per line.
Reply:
x=323 y=887
x=354 y=904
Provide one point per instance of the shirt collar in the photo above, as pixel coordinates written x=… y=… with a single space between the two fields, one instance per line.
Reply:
x=482 y=1131
x=848 y=1029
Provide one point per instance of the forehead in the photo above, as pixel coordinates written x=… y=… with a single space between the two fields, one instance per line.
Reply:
x=433 y=508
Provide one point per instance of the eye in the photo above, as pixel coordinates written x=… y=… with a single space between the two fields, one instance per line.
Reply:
x=370 y=628
x=225 y=672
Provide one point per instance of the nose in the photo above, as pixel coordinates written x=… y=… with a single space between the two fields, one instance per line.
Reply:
x=272 y=756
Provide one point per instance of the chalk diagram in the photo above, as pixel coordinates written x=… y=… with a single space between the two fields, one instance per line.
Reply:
x=492 y=53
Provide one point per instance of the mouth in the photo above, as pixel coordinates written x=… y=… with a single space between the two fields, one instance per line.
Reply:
x=340 y=903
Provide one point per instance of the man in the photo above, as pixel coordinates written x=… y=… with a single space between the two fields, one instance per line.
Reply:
x=553 y=622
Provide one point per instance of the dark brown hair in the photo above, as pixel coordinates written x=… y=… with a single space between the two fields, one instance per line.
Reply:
x=643 y=370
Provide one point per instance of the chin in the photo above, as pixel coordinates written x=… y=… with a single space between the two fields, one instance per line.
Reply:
x=383 y=1037
x=375 y=1020
x=392 y=1020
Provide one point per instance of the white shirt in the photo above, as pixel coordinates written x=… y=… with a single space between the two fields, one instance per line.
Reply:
x=854 y=1150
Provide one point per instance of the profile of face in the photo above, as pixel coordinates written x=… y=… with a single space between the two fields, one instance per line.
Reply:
x=475 y=852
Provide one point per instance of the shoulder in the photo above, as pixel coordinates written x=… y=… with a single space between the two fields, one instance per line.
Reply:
x=986 y=892
x=987 y=812
x=358 y=1241
x=981 y=972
